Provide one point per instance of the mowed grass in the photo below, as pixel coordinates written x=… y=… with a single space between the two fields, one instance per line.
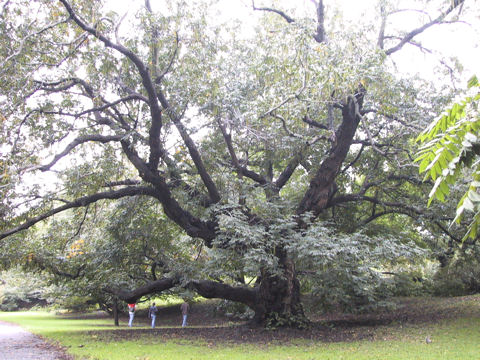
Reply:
x=455 y=338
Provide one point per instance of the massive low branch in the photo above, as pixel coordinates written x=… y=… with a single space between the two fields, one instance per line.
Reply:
x=212 y=289
x=131 y=296
x=81 y=202
x=206 y=288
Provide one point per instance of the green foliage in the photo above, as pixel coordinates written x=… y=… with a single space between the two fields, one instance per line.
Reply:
x=461 y=276
x=411 y=283
x=275 y=321
x=65 y=299
x=20 y=290
x=234 y=310
x=451 y=145
x=346 y=269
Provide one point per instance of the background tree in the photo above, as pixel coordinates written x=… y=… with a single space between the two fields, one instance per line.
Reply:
x=254 y=146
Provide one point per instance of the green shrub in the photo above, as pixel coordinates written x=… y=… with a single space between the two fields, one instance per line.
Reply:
x=461 y=276
x=20 y=290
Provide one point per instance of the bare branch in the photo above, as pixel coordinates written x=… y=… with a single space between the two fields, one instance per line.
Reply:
x=279 y=12
x=370 y=137
x=391 y=117
x=354 y=160
x=167 y=69
x=381 y=34
x=241 y=170
x=408 y=37
x=228 y=140
x=81 y=223
x=123 y=183
x=289 y=169
x=284 y=124
x=313 y=123
x=197 y=160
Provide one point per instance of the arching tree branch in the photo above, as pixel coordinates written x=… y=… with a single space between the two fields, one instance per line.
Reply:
x=132 y=296
x=81 y=202
x=279 y=12
x=78 y=141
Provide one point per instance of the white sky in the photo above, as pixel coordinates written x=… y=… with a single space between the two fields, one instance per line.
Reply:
x=460 y=40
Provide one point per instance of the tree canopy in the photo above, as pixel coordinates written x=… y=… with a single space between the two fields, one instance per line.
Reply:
x=245 y=159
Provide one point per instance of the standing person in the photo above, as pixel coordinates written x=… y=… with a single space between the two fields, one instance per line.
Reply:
x=152 y=314
x=185 y=307
x=131 y=313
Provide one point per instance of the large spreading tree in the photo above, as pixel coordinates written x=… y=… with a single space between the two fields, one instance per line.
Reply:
x=263 y=145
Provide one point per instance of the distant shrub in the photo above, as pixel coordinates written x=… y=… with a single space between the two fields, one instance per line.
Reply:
x=20 y=290
x=461 y=276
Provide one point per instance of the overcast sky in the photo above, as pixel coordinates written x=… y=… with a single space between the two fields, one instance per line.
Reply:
x=460 y=40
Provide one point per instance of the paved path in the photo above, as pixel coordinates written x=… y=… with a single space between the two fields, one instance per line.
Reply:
x=19 y=344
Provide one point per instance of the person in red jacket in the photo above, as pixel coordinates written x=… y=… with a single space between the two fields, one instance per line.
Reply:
x=131 y=314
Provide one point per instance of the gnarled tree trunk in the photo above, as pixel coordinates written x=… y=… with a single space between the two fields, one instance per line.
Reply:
x=278 y=296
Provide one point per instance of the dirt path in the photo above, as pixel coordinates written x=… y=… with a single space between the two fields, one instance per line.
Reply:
x=19 y=344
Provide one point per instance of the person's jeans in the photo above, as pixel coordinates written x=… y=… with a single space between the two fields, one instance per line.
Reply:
x=154 y=317
x=130 y=320
x=184 y=323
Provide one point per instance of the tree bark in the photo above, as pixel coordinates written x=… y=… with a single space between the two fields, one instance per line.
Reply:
x=131 y=296
x=322 y=185
x=115 y=312
x=275 y=301
x=278 y=301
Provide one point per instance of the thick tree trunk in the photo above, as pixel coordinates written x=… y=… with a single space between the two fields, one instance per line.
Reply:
x=115 y=312
x=278 y=298
x=275 y=301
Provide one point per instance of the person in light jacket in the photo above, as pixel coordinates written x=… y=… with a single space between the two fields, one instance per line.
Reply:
x=152 y=314
x=185 y=307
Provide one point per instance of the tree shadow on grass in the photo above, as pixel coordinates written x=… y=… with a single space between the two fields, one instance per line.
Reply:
x=332 y=327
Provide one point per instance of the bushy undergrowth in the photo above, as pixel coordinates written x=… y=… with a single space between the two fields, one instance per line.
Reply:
x=461 y=276
x=20 y=290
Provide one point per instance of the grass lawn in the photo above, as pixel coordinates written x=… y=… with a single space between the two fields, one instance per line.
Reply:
x=455 y=337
